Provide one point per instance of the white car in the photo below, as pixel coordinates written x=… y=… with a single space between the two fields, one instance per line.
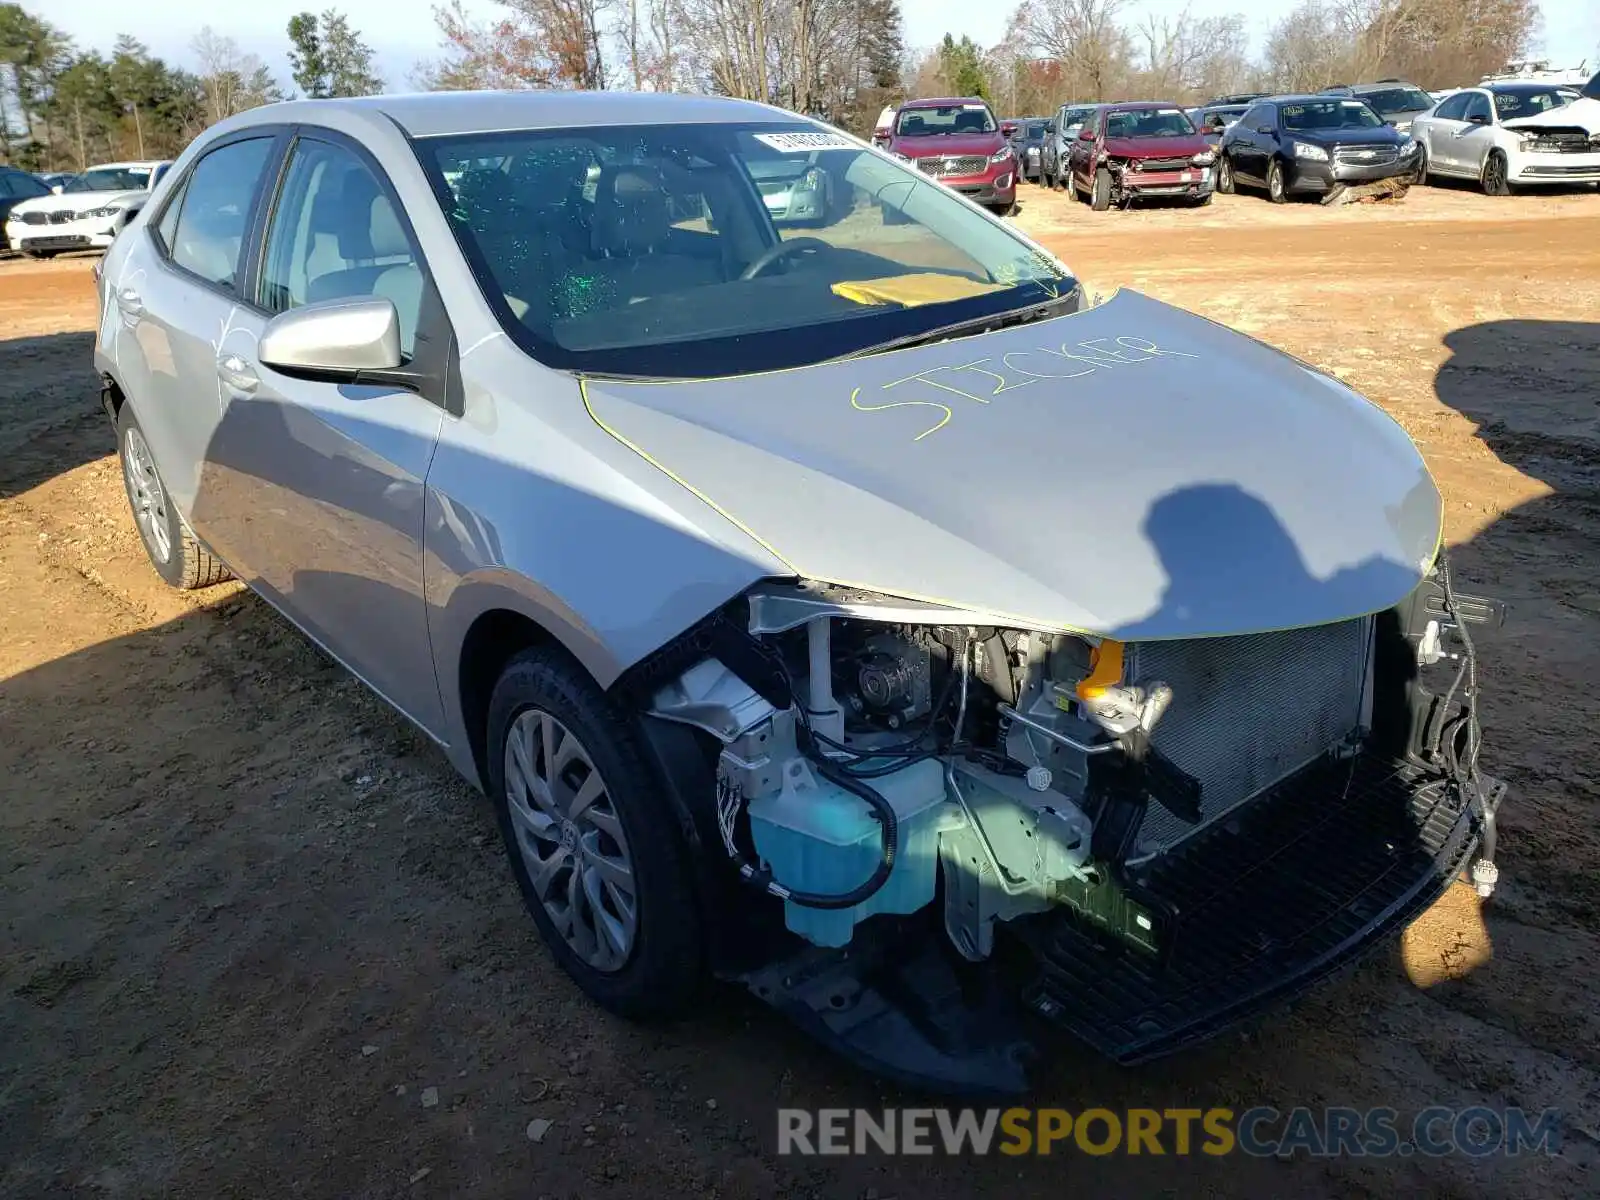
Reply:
x=1507 y=135
x=86 y=219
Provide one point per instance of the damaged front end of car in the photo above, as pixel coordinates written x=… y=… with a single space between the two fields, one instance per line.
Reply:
x=1160 y=703
x=938 y=823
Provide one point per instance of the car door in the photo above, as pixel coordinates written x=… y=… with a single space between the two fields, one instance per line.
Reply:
x=1471 y=142
x=176 y=296
x=1248 y=145
x=324 y=504
x=1442 y=130
x=1085 y=151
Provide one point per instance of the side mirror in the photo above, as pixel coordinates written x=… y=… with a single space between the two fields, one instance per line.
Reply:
x=1050 y=128
x=333 y=339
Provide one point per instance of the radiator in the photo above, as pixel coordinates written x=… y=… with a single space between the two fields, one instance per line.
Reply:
x=1247 y=711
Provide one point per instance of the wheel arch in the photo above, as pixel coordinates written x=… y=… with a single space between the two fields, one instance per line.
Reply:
x=487 y=623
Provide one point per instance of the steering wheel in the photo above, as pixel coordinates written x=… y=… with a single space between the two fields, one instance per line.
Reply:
x=781 y=250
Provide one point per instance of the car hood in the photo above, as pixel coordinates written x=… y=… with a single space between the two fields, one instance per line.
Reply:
x=79 y=202
x=1156 y=147
x=948 y=144
x=1132 y=471
x=1580 y=114
x=1382 y=135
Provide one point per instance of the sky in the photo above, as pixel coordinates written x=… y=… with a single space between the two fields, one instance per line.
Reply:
x=404 y=32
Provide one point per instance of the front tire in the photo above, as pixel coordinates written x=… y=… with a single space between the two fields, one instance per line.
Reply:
x=1100 y=198
x=1421 y=176
x=601 y=864
x=180 y=560
x=1495 y=177
x=1276 y=191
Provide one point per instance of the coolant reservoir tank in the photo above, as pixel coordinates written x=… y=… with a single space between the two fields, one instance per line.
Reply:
x=815 y=836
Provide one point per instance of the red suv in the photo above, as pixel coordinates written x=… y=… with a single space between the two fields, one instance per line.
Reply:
x=959 y=143
x=1128 y=151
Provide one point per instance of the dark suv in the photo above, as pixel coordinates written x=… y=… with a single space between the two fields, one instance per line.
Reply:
x=1395 y=100
x=958 y=142
x=1027 y=143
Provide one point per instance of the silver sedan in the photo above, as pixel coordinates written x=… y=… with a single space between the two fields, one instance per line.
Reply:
x=809 y=601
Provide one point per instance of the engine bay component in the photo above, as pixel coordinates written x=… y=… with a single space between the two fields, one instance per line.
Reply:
x=818 y=837
x=1092 y=799
x=1008 y=859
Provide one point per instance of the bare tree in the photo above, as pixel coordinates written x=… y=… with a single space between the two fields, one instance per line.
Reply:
x=534 y=43
x=232 y=80
x=1084 y=36
x=1189 y=57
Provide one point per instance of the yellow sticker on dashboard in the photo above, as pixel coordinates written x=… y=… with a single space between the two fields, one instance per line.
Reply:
x=908 y=291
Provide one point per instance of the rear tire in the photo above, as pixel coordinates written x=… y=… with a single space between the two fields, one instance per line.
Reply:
x=1100 y=198
x=1421 y=176
x=180 y=560
x=599 y=889
x=1276 y=191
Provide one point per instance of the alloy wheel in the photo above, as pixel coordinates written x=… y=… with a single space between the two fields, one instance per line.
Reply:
x=571 y=840
x=145 y=492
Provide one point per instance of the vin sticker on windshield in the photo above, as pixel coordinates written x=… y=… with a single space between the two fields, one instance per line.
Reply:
x=806 y=141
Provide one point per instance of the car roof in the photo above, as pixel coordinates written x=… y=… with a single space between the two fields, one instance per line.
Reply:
x=127 y=166
x=1523 y=87
x=1305 y=98
x=1139 y=105
x=433 y=114
x=1383 y=86
x=946 y=101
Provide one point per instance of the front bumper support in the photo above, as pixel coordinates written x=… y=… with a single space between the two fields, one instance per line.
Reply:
x=1301 y=882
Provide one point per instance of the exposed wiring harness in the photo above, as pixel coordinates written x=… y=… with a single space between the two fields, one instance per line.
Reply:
x=1455 y=743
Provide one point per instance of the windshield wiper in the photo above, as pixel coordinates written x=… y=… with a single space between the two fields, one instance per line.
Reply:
x=967 y=328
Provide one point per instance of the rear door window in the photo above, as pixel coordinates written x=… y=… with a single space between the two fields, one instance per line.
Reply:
x=213 y=217
x=1454 y=108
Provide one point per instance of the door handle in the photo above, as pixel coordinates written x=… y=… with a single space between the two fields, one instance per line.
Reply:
x=237 y=373
x=130 y=302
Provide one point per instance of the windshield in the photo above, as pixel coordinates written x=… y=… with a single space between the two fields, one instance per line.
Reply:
x=1075 y=117
x=1149 y=122
x=947 y=118
x=700 y=250
x=1329 y=114
x=1035 y=131
x=114 y=179
x=1393 y=101
x=1510 y=105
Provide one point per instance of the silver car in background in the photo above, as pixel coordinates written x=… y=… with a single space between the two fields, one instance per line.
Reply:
x=821 y=604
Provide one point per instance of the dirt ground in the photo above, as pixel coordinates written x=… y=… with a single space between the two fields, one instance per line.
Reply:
x=255 y=937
